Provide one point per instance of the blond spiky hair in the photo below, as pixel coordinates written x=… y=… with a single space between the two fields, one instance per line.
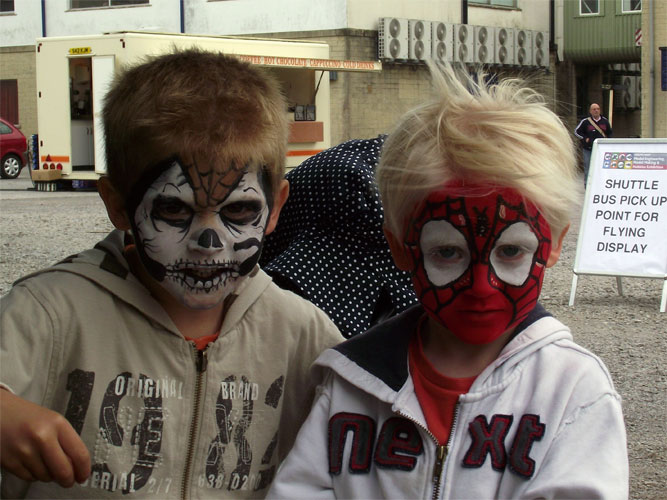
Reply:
x=484 y=132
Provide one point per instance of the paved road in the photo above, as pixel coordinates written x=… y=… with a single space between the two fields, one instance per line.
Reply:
x=39 y=228
x=628 y=333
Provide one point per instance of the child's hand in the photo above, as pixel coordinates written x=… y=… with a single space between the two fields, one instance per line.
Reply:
x=40 y=444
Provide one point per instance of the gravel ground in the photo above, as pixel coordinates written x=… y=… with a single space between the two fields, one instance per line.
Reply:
x=628 y=332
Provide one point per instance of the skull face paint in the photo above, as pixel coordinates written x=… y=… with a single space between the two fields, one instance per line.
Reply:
x=200 y=233
x=478 y=259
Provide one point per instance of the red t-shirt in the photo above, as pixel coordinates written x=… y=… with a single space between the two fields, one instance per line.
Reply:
x=437 y=393
x=202 y=342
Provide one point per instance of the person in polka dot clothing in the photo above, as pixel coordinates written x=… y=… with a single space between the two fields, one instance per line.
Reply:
x=329 y=246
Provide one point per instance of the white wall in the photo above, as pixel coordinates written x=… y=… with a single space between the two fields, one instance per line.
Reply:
x=159 y=15
x=238 y=17
x=23 y=25
x=364 y=14
x=530 y=14
x=234 y=17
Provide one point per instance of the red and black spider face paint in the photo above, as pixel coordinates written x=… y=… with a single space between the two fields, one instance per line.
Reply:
x=479 y=258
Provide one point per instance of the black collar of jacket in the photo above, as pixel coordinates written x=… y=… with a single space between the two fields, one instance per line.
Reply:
x=383 y=350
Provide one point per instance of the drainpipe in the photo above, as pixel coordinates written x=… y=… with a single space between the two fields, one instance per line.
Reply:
x=182 y=16
x=464 y=11
x=552 y=24
x=651 y=73
x=43 y=18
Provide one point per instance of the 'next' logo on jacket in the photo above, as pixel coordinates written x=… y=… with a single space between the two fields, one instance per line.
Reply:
x=399 y=444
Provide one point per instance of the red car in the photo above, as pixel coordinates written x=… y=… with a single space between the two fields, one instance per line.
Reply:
x=13 y=150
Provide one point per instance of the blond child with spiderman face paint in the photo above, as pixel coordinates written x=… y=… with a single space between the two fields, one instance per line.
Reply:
x=477 y=392
x=169 y=364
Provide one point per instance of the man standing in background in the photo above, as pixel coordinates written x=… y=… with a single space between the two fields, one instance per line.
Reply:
x=593 y=127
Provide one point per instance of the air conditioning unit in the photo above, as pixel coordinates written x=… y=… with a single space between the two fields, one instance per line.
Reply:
x=463 y=43
x=419 y=40
x=504 y=46
x=619 y=92
x=541 y=49
x=392 y=39
x=619 y=96
x=631 y=67
x=625 y=96
x=638 y=91
x=442 y=41
x=630 y=96
x=483 y=44
x=523 y=48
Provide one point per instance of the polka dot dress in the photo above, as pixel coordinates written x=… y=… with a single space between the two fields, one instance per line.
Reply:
x=329 y=246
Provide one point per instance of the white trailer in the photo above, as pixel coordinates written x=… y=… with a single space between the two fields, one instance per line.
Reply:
x=74 y=73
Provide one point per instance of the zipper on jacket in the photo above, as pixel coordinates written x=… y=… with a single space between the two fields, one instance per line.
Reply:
x=201 y=361
x=440 y=451
x=443 y=451
x=441 y=455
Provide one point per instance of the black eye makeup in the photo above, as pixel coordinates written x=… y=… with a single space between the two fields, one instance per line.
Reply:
x=172 y=211
x=242 y=211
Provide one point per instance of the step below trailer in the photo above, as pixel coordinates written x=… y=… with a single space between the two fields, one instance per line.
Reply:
x=74 y=73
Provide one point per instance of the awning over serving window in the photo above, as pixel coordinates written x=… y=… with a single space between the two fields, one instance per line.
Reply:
x=311 y=63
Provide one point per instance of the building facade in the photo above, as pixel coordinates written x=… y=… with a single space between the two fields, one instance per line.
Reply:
x=362 y=104
x=602 y=59
x=654 y=69
x=586 y=46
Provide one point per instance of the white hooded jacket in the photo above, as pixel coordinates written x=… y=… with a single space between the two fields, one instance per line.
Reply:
x=542 y=421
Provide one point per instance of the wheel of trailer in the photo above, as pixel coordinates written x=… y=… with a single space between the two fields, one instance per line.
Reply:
x=11 y=166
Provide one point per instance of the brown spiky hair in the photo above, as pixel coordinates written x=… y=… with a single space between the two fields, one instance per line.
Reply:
x=204 y=107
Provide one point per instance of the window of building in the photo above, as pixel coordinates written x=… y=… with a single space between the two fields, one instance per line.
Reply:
x=587 y=7
x=9 y=100
x=6 y=5
x=87 y=4
x=631 y=5
x=501 y=3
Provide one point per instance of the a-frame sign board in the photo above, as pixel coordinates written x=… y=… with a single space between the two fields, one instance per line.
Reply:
x=623 y=229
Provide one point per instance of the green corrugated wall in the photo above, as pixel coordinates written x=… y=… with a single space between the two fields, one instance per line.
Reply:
x=605 y=38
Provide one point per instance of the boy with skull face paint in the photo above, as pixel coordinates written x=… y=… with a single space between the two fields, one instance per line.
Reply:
x=477 y=392
x=174 y=367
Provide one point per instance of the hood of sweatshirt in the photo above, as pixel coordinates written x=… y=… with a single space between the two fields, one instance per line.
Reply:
x=377 y=361
x=106 y=266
